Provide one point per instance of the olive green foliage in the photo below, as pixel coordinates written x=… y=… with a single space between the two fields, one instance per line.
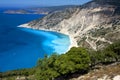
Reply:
x=77 y=59
x=107 y=55
x=22 y=72
x=115 y=48
x=45 y=68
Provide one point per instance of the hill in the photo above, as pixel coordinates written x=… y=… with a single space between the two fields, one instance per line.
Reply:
x=93 y=25
x=36 y=10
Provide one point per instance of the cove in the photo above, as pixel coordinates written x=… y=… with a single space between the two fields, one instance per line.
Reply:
x=22 y=47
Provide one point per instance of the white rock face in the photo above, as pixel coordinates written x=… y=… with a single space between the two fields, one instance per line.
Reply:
x=93 y=25
x=116 y=77
x=104 y=78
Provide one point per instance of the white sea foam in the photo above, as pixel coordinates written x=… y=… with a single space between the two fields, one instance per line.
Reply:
x=59 y=43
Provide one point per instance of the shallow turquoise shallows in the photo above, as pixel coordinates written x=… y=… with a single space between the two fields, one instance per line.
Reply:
x=21 y=47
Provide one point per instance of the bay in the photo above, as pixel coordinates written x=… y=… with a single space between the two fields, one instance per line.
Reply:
x=22 y=47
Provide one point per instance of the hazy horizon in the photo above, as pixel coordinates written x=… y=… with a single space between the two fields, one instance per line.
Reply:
x=39 y=3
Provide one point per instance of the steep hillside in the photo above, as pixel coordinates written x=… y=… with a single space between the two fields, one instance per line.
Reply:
x=92 y=25
x=105 y=72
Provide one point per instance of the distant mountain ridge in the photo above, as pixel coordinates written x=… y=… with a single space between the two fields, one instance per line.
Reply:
x=37 y=10
x=93 y=25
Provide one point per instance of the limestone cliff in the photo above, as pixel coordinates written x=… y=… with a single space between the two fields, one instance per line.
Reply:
x=93 y=25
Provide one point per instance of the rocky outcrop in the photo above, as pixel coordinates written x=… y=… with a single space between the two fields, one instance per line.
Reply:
x=92 y=25
x=104 y=72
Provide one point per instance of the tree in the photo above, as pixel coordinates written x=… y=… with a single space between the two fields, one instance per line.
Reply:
x=45 y=68
x=80 y=57
x=115 y=47
x=77 y=59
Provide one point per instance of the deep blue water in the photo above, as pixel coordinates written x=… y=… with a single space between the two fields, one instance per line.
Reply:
x=22 y=47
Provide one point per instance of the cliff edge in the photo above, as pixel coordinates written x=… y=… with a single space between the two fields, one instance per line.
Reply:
x=93 y=25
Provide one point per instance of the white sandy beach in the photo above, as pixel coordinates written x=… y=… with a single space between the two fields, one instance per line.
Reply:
x=73 y=42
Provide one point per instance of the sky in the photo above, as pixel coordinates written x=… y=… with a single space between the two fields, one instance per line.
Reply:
x=25 y=3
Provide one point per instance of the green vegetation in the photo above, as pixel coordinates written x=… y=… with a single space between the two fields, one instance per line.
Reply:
x=74 y=60
x=77 y=60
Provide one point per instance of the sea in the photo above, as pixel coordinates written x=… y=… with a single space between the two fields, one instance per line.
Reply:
x=22 y=47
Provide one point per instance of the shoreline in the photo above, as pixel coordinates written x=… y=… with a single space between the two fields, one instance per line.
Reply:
x=73 y=42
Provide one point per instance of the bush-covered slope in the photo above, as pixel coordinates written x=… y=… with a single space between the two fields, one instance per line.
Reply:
x=92 y=25
x=60 y=67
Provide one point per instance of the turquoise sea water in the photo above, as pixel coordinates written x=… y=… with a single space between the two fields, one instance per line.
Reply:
x=22 y=47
